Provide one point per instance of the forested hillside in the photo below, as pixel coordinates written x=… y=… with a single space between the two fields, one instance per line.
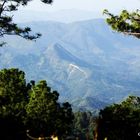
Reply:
x=74 y=82
x=82 y=60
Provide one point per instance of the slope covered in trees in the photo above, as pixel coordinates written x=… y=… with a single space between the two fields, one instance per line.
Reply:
x=120 y=121
x=108 y=71
x=31 y=106
x=35 y=107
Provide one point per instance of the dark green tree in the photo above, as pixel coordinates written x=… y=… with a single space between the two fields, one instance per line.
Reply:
x=7 y=26
x=84 y=124
x=13 y=98
x=120 y=121
x=127 y=22
x=32 y=107
x=46 y=116
x=13 y=92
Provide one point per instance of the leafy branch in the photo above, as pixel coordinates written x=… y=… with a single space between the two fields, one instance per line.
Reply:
x=127 y=22
x=8 y=27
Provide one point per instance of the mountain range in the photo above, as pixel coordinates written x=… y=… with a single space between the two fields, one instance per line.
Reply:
x=65 y=15
x=86 y=62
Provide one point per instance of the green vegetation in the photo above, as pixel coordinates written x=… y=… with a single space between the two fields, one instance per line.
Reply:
x=126 y=22
x=31 y=107
x=13 y=98
x=7 y=27
x=44 y=113
x=120 y=121
x=84 y=125
x=35 y=107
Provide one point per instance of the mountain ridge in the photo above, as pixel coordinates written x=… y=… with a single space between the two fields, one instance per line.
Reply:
x=81 y=59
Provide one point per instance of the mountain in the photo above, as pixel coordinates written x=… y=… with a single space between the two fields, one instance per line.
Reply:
x=65 y=15
x=87 y=63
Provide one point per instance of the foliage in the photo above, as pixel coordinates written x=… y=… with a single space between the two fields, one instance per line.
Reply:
x=120 y=121
x=84 y=124
x=45 y=114
x=13 y=92
x=7 y=26
x=13 y=98
x=126 y=22
x=31 y=106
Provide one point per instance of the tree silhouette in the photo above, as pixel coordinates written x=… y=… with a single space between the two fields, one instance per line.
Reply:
x=31 y=106
x=127 y=22
x=7 y=26
x=120 y=121
x=46 y=115
x=13 y=98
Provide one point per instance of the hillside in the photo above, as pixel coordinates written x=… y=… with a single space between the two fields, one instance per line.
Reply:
x=82 y=60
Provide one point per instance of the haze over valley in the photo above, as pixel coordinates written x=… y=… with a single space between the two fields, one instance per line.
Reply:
x=85 y=61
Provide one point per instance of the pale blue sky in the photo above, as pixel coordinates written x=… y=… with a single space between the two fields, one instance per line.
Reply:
x=90 y=5
x=70 y=10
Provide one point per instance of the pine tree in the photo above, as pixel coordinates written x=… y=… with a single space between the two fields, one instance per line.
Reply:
x=7 y=26
x=46 y=115
x=120 y=121
x=127 y=22
x=13 y=98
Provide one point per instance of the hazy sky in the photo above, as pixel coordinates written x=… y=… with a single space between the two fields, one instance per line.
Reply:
x=37 y=11
x=91 y=5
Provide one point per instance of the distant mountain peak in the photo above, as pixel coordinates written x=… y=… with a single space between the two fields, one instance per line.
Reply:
x=79 y=60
